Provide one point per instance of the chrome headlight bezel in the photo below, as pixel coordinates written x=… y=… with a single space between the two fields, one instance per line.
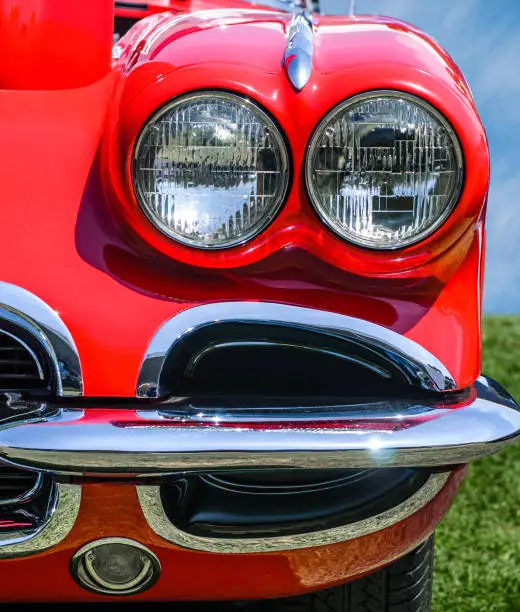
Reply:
x=285 y=168
x=330 y=117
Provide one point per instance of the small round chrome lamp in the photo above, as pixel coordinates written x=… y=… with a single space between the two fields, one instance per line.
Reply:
x=115 y=566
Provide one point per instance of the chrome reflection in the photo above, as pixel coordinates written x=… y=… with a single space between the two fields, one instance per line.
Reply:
x=422 y=368
x=61 y=515
x=37 y=318
x=191 y=436
x=27 y=495
x=153 y=510
x=297 y=59
x=115 y=566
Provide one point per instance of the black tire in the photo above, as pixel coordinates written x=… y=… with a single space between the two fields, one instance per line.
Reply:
x=403 y=586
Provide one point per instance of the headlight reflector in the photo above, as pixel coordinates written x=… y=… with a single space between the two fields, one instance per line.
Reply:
x=210 y=170
x=384 y=169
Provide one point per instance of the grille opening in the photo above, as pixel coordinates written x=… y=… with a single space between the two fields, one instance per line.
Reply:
x=25 y=500
x=267 y=360
x=16 y=484
x=17 y=363
x=265 y=503
x=23 y=363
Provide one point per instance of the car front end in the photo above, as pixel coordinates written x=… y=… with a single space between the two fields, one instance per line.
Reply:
x=240 y=302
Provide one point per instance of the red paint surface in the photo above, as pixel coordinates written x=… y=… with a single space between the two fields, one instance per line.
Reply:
x=54 y=44
x=351 y=56
x=77 y=239
x=92 y=256
x=190 y=575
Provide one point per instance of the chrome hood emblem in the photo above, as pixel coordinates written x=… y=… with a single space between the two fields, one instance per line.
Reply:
x=297 y=59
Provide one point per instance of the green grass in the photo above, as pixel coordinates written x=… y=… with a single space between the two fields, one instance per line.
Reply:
x=478 y=543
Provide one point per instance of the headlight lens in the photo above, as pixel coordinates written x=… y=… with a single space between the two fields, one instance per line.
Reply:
x=384 y=169
x=210 y=170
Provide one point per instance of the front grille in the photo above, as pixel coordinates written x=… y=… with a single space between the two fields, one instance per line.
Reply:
x=17 y=486
x=264 y=359
x=269 y=503
x=20 y=367
x=25 y=501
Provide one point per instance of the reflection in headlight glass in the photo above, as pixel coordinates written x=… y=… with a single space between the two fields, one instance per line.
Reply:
x=210 y=170
x=383 y=171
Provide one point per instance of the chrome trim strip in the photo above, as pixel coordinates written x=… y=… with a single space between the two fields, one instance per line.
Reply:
x=32 y=314
x=60 y=520
x=297 y=58
x=428 y=371
x=26 y=495
x=187 y=437
x=153 y=510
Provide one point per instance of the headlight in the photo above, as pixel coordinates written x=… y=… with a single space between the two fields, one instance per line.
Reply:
x=210 y=170
x=384 y=169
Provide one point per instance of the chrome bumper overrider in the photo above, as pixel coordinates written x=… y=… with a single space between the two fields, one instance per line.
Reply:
x=182 y=436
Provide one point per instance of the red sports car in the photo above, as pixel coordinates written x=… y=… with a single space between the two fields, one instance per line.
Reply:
x=241 y=275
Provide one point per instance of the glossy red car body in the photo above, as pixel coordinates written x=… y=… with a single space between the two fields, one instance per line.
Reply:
x=194 y=576
x=77 y=239
x=75 y=143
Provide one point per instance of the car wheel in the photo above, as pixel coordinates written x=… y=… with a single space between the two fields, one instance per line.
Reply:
x=403 y=586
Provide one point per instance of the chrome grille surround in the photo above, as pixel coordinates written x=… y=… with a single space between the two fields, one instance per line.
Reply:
x=423 y=369
x=61 y=514
x=26 y=311
x=35 y=512
x=153 y=510
x=18 y=486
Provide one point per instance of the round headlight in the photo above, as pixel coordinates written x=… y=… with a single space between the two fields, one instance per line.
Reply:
x=384 y=169
x=210 y=170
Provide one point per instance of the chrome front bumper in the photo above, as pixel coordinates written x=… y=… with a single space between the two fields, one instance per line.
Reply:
x=439 y=427
x=180 y=436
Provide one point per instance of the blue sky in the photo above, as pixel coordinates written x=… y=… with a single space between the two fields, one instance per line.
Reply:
x=483 y=37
